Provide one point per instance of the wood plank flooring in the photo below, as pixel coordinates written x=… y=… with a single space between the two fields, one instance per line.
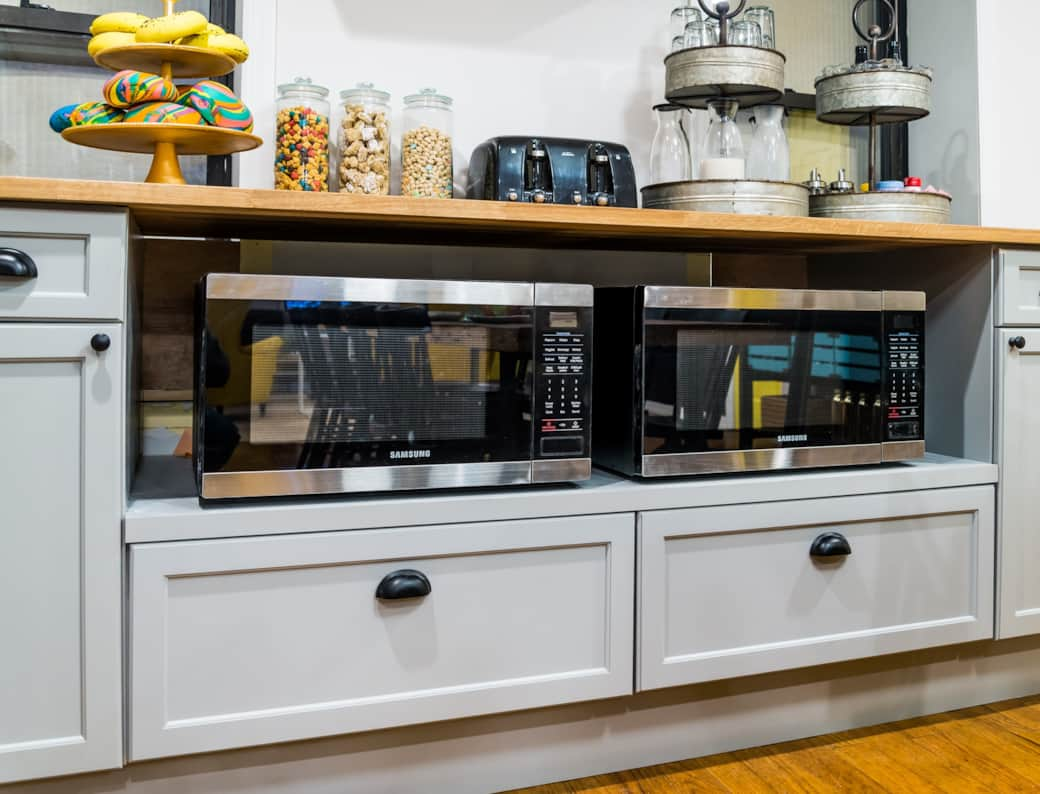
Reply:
x=993 y=748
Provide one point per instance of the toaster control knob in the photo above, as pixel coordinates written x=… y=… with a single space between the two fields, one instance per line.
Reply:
x=576 y=197
x=512 y=195
x=538 y=197
x=602 y=201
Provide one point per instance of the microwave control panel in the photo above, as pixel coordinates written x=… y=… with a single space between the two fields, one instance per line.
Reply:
x=563 y=381
x=904 y=376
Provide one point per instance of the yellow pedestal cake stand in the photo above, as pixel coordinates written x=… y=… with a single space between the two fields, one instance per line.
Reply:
x=165 y=142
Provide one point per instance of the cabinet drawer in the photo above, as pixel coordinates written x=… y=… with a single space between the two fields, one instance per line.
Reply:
x=249 y=641
x=1018 y=297
x=80 y=259
x=733 y=591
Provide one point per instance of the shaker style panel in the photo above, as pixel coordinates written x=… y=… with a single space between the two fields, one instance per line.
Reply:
x=1018 y=295
x=1018 y=434
x=251 y=641
x=62 y=265
x=60 y=592
x=734 y=591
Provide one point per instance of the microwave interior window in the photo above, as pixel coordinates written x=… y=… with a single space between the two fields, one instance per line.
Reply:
x=300 y=385
x=725 y=380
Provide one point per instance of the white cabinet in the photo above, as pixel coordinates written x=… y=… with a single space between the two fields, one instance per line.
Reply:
x=60 y=590
x=1018 y=288
x=733 y=591
x=1018 y=453
x=77 y=259
x=255 y=640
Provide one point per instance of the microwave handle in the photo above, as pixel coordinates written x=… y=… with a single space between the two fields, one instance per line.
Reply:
x=830 y=544
x=403 y=584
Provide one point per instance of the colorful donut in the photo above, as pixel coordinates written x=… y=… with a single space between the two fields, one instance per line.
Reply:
x=128 y=87
x=60 y=118
x=162 y=113
x=95 y=113
x=219 y=106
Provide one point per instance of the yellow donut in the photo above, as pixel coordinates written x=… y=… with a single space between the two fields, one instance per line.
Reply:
x=214 y=30
x=230 y=45
x=169 y=28
x=104 y=41
x=117 y=22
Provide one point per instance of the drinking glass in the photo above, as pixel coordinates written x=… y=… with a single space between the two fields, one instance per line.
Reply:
x=713 y=31
x=678 y=43
x=763 y=15
x=683 y=16
x=745 y=34
x=698 y=35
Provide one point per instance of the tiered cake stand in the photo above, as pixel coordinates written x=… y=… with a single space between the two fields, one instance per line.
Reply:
x=750 y=75
x=165 y=142
x=872 y=98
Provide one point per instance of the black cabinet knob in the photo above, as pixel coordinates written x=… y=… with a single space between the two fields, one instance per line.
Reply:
x=830 y=544
x=1017 y=342
x=100 y=342
x=403 y=584
x=16 y=264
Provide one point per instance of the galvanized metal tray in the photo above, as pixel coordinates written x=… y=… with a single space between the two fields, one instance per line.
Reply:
x=740 y=197
x=888 y=96
x=751 y=75
x=904 y=206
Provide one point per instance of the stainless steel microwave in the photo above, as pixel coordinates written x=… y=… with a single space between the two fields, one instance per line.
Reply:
x=310 y=385
x=712 y=380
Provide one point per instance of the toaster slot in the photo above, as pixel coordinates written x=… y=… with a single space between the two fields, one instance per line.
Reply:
x=538 y=179
x=600 y=185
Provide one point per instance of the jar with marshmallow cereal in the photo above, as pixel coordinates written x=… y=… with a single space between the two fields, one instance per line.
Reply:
x=426 y=160
x=364 y=141
x=301 y=160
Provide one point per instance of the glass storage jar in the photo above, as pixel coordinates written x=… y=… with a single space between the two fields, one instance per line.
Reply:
x=301 y=160
x=426 y=160
x=670 y=150
x=364 y=141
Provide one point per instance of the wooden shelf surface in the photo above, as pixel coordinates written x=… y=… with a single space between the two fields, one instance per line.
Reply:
x=191 y=211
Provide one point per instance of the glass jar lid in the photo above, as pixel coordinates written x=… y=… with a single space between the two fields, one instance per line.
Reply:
x=303 y=85
x=428 y=97
x=365 y=92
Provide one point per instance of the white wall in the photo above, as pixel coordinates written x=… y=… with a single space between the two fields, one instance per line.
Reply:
x=581 y=68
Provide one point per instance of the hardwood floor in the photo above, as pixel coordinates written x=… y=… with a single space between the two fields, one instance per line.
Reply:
x=993 y=748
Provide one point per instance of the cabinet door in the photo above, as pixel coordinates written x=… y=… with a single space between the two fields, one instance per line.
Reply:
x=60 y=589
x=1018 y=443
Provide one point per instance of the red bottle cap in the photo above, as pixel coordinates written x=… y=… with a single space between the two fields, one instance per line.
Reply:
x=912 y=181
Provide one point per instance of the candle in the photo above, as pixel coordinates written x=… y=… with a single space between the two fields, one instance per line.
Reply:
x=722 y=168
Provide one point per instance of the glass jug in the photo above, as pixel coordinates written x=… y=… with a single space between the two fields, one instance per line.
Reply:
x=723 y=156
x=770 y=155
x=670 y=151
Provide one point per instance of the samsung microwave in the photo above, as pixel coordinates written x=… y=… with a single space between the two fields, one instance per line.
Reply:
x=308 y=385
x=712 y=380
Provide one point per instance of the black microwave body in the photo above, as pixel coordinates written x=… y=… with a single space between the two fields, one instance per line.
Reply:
x=308 y=385
x=697 y=380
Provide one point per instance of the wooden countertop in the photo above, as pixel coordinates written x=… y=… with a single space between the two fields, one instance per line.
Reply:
x=190 y=211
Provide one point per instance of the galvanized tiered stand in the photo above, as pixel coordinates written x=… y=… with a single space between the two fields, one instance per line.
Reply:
x=750 y=75
x=882 y=92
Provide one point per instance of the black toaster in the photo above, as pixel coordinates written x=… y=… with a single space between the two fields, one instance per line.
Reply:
x=552 y=171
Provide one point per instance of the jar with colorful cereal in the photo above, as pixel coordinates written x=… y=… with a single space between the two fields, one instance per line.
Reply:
x=364 y=141
x=426 y=164
x=301 y=160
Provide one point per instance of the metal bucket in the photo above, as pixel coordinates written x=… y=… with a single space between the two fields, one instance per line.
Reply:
x=740 y=197
x=902 y=207
x=891 y=95
x=751 y=75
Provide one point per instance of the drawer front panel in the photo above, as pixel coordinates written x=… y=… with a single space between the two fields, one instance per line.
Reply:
x=250 y=641
x=733 y=591
x=80 y=259
x=1019 y=296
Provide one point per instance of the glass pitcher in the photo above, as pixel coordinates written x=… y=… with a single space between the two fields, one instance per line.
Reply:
x=770 y=154
x=723 y=154
x=670 y=151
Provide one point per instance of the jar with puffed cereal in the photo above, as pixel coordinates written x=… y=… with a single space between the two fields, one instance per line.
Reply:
x=301 y=159
x=364 y=141
x=426 y=165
